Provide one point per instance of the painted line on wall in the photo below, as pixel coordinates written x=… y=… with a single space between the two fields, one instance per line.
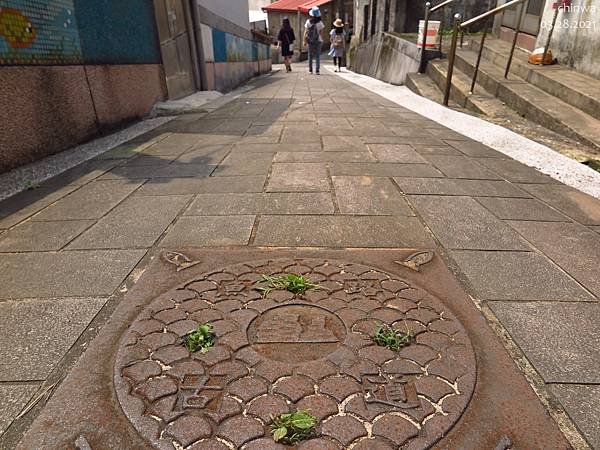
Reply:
x=526 y=151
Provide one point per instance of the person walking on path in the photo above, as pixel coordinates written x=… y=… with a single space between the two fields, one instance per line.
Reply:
x=312 y=38
x=338 y=44
x=286 y=38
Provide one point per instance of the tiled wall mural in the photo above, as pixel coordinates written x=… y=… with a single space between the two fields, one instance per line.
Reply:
x=38 y=32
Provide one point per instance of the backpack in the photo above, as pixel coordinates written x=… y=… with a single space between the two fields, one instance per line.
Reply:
x=313 y=35
x=338 y=40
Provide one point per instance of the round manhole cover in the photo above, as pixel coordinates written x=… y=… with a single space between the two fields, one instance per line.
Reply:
x=283 y=352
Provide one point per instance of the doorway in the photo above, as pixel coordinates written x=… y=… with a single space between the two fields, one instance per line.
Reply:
x=175 y=47
x=531 y=20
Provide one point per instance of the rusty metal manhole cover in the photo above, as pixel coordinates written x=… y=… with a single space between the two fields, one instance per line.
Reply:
x=285 y=352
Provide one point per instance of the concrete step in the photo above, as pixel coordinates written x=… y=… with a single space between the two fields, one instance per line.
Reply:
x=525 y=98
x=423 y=85
x=481 y=103
x=573 y=88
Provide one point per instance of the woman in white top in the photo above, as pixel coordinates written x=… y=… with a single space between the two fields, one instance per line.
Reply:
x=312 y=38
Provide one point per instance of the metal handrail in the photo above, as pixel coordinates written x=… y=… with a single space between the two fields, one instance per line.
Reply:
x=458 y=26
x=441 y=5
x=428 y=11
x=491 y=12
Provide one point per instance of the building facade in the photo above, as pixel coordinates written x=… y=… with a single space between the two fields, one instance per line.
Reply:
x=575 y=39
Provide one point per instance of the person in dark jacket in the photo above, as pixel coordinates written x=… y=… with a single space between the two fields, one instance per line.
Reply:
x=286 y=38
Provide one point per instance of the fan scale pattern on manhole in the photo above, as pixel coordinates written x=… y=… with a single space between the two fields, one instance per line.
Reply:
x=284 y=351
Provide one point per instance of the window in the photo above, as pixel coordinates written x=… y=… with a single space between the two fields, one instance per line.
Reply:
x=366 y=23
x=374 y=17
x=386 y=17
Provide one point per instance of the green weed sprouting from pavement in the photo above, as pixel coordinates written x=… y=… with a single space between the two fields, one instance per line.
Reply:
x=30 y=185
x=202 y=338
x=292 y=428
x=386 y=336
x=296 y=284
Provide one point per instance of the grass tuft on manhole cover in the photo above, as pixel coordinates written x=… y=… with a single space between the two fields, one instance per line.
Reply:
x=389 y=337
x=202 y=338
x=296 y=284
x=292 y=428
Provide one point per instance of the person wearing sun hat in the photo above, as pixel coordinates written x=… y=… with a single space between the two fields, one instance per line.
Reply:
x=312 y=38
x=338 y=44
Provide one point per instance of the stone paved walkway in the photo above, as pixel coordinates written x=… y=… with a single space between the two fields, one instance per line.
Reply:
x=303 y=162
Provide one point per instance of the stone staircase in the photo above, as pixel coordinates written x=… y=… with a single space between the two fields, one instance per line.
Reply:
x=556 y=97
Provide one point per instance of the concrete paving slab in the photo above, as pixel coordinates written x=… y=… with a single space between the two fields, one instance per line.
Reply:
x=560 y=339
x=212 y=185
x=141 y=173
x=425 y=149
x=272 y=203
x=475 y=149
x=256 y=167
x=461 y=167
x=579 y=206
x=518 y=276
x=183 y=170
x=292 y=136
x=385 y=170
x=209 y=231
x=205 y=155
x=174 y=144
x=123 y=151
x=446 y=133
x=462 y=223
x=572 y=246
x=369 y=196
x=421 y=140
x=273 y=130
x=73 y=274
x=81 y=174
x=340 y=231
x=242 y=158
x=13 y=398
x=445 y=186
x=151 y=160
x=300 y=177
x=409 y=131
x=399 y=153
x=330 y=156
x=92 y=201
x=174 y=170
x=521 y=209
x=41 y=236
x=343 y=144
x=582 y=403
x=297 y=146
x=18 y=208
x=36 y=334
x=136 y=223
x=515 y=171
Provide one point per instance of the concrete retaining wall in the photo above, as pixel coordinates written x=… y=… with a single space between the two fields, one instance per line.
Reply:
x=385 y=57
x=46 y=109
x=231 y=59
x=576 y=38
